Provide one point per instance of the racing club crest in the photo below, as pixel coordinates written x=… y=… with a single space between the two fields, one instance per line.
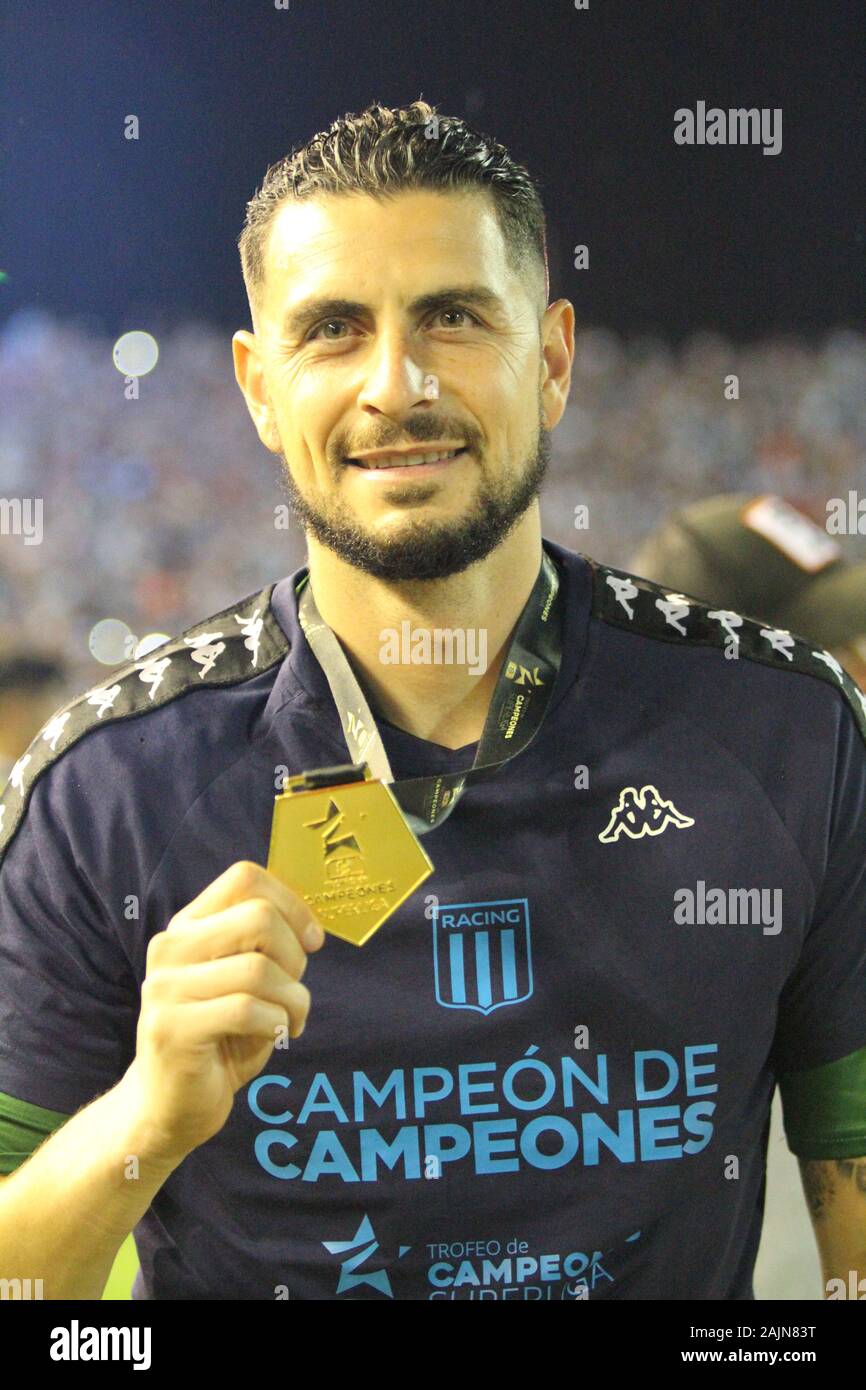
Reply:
x=481 y=954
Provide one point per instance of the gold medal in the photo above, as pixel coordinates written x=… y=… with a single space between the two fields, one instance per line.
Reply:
x=341 y=841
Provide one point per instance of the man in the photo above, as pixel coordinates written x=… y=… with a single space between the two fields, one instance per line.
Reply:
x=540 y=1078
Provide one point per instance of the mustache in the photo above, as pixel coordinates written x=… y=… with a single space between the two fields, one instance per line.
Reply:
x=418 y=434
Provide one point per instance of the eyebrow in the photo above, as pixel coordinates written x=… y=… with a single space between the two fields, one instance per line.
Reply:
x=324 y=307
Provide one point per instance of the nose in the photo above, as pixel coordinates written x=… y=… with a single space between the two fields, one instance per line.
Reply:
x=396 y=375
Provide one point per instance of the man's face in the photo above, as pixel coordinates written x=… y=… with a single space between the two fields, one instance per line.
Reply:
x=353 y=354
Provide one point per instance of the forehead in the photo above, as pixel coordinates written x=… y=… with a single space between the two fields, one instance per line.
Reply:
x=349 y=242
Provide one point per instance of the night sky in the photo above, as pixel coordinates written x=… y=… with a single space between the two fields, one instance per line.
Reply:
x=122 y=234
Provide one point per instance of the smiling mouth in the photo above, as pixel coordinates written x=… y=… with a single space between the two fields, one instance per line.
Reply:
x=415 y=460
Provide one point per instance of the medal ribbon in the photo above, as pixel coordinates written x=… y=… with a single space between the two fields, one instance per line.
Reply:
x=516 y=711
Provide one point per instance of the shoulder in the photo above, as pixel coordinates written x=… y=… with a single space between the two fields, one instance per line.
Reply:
x=225 y=650
x=665 y=619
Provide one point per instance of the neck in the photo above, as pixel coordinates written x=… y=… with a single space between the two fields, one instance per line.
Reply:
x=444 y=699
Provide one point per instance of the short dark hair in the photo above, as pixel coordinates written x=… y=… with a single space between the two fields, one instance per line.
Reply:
x=382 y=151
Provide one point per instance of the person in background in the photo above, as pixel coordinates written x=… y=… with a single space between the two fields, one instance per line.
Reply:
x=32 y=687
x=765 y=558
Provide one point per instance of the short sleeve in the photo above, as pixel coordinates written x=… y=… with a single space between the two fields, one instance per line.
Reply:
x=822 y=1009
x=68 y=1000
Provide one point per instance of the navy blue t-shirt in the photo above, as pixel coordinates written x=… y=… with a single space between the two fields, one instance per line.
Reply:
x=549 y=1074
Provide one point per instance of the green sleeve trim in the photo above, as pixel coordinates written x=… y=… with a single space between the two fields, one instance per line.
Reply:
x=23 y=1127
x=824 y=1108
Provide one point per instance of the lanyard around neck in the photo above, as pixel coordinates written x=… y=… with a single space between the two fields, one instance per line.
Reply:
x=516 y=711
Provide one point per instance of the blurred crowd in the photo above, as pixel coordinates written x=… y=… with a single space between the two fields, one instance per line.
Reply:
x=159 y=511
x=650 y=429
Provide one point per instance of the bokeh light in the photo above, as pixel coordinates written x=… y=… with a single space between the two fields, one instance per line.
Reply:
x=135 y=353
x=149 y=643
x=111 y=641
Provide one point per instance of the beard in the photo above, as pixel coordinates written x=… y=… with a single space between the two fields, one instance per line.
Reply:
x=426 y=550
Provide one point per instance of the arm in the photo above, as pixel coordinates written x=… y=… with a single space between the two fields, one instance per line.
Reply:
x=824 y=1110
x=65 y=1212
x=822 y=1014
x=835 y=1191
x=222 y=983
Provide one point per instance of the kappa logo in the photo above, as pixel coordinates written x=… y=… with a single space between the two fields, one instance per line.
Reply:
x=360 y=1248
x=644 y=812
x=206 y=647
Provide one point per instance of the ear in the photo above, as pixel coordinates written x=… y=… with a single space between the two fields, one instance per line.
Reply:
x=557 y=346
x=250 y=377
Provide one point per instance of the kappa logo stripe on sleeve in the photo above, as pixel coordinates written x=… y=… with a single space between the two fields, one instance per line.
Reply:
x=241 y=641
x=246 y=639
x=640 y=605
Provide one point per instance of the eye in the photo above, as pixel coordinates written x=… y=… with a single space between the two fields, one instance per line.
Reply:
x=314 y=332
x=457 y=310
x=325 y=323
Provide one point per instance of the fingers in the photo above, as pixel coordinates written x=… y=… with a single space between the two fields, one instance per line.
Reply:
x=250 y=974
x=236 y=1015
x=241 y=881
x=234 y=958
x=252 y=926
